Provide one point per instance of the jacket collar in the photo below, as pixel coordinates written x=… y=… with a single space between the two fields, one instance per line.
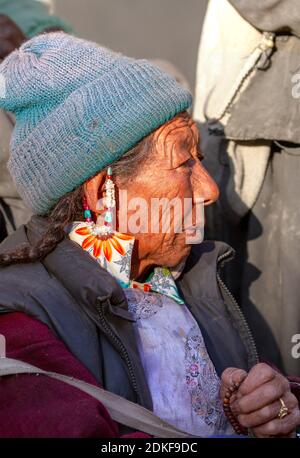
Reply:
x=80 y=274
x=203 y=264
x=88 y=281
x=95 y=291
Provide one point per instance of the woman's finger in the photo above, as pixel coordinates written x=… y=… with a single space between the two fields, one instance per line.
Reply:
x=277 y=427
x=263 y=396
x=259 y=375
x=231 y=376
x=267 y=413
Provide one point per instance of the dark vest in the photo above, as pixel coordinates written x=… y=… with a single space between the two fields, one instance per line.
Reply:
x=86 y=308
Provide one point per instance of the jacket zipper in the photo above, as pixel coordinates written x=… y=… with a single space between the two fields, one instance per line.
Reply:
x=221 y=260
x=225 y=257
x=119 y=344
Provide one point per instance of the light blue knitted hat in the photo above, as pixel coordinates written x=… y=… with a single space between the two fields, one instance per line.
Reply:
x=78 y=108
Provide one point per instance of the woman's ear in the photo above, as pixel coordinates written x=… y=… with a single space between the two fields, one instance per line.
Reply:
x=93 y=190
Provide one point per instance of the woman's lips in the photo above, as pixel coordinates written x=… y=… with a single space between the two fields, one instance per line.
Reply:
x=194 y=234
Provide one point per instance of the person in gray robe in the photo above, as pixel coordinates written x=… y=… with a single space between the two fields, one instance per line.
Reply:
x=249 y=109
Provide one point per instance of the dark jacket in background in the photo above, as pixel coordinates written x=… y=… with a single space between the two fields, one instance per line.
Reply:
x=265 y=276
x=3 y=231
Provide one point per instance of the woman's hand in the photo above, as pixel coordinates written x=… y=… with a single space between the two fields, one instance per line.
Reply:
x=257 y=402
x=11 y=36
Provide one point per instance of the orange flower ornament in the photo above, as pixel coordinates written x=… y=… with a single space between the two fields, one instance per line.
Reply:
x=112 y=250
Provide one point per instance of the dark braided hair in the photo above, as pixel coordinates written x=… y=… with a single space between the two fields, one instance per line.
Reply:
x=67 y=210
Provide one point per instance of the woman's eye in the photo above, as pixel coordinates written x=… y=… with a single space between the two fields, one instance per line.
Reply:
x=187 y=165
x=191 y=162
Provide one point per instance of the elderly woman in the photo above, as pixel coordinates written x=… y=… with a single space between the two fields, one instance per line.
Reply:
x=142 y=313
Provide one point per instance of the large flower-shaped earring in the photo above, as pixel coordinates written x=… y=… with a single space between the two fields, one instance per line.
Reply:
x=110 y=248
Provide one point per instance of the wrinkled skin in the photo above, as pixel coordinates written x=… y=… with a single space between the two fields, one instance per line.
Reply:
x=256 y=404
x=11 y=36
x=174 y=169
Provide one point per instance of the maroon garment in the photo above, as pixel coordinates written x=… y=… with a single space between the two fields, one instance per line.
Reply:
x=38 y=406
x=295 y=387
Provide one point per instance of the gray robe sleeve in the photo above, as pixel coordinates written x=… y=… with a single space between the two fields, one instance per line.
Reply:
x=271 y=15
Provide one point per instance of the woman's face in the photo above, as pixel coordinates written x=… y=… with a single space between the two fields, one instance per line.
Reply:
x=172 y=171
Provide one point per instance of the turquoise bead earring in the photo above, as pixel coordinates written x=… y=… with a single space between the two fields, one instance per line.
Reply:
x=109 y=203
x=87 y=211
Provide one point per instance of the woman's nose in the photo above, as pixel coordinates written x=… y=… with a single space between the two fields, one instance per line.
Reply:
x=204 y=186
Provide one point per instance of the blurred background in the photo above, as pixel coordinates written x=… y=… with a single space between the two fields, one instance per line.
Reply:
x=163 y=29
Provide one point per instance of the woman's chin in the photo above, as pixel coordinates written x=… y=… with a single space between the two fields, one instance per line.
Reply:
x=180 y=257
